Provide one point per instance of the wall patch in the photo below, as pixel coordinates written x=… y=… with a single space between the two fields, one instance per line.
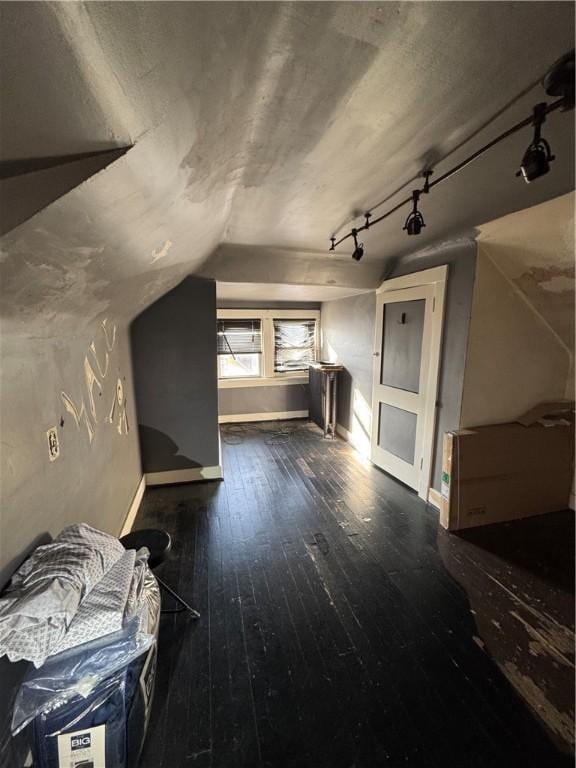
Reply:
x=53 y=443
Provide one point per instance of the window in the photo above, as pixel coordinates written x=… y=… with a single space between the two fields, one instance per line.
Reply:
x=263 y=347
x=294 y=344
x=239 y=348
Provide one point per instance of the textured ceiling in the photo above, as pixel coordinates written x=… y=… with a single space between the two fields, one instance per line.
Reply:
x=257 y=124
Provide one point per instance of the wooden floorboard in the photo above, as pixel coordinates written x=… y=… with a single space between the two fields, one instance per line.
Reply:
x=342 y=628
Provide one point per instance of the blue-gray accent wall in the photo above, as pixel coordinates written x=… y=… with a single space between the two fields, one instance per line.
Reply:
x=175 y=380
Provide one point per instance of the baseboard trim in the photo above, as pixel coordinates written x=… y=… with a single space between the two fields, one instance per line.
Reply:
x=274 y=416
x=343 y=432
x=192 y=475
x=434 y=498
x=363 y=450
x=134 y=507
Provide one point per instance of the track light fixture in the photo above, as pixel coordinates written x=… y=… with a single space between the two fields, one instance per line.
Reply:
x=559 y=83
x=358 y=247
x=537 y=158
x=415 y=220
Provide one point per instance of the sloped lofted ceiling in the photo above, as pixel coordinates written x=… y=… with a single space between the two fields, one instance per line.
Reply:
x=534 y=250
x=263 y=125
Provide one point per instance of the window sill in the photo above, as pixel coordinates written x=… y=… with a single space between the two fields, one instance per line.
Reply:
x=276 y=381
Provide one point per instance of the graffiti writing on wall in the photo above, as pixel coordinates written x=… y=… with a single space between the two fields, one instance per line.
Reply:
x=96 y=370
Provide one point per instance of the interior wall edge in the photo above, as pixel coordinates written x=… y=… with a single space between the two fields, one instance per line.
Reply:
x=485 y=250
x=514 y=360
x=134 y=507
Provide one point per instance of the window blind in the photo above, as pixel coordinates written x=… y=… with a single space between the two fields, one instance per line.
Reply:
x=294 y=344
x=239 y=337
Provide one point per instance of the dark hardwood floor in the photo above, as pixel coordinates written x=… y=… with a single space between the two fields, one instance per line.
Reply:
x=341 y=628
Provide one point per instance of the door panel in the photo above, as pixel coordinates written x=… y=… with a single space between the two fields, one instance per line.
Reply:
x=403 y=333
x=403 y=327
x=397 y=432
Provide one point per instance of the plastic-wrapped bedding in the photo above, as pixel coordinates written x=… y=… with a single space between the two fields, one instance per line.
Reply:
x=102 y=610
x=75 y=674
x=90 y=704
x=45 y=592
x=144 y=595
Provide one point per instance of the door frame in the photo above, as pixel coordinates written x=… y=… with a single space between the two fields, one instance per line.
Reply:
x=435 y=277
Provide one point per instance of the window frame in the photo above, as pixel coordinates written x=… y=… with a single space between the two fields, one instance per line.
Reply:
x=248 y=377
x=269 y=376
x=260 y=355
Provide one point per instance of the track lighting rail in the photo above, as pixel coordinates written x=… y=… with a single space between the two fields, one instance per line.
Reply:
x=545 y=109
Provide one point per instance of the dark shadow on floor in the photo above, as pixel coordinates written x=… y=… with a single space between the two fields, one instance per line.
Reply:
x=544 y=545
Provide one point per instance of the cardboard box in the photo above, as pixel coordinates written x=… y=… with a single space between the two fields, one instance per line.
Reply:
x=505 y=472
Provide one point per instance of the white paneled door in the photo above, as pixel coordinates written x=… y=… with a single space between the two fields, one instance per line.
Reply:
x=408 y=335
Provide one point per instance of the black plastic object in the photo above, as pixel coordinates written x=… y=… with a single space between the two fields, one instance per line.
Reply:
x=358 y=247
x=157 y=542
x=537 y=158
x=559 y=80
x=415 y=220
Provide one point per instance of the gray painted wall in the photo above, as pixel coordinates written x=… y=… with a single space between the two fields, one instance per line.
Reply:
x=174 y=357
x=348 y=336
x=348 y=329
x=274 y=399
x=93 y=482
